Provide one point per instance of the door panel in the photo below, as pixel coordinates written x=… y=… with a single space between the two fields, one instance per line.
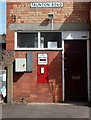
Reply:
x=75 y=63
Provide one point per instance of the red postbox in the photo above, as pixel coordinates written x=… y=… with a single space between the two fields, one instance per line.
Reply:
x=42 y=68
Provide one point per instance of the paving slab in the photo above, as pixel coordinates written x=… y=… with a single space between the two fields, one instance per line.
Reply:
x=43 y=110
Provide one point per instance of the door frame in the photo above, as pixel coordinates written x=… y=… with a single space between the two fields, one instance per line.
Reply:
x=88 y=63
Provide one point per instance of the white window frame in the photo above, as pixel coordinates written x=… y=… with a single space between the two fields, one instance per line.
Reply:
x=16 y=48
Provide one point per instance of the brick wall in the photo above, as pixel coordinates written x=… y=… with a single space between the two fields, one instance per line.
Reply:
x=26 y=86
x=70 y=12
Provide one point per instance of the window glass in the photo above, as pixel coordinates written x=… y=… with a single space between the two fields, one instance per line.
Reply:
x=27 y=40
x=50 y=40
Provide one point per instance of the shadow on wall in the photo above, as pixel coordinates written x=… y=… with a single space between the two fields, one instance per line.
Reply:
x=78 y=18
x=17 y=76
x=79 y=15
x=45 y=22
x=73 y=16
x=55 y=76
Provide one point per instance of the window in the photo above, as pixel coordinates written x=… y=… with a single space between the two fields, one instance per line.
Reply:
x=38 y=40
x=27 y=40
x=50 y=40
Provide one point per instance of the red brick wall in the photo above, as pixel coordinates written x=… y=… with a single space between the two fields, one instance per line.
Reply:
x=9 y=34
x=70 y=12
x=26 y=86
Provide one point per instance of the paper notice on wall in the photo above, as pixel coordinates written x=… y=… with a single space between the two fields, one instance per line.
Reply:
x=4 y=77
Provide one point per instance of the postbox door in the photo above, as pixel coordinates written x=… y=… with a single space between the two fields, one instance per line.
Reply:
x=42 y=74
x=42 y=68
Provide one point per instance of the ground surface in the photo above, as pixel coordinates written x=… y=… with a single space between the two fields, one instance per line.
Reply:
x=37 y=110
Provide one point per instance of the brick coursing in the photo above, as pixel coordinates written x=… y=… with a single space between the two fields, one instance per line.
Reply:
x=26 y=86
x=70 y=12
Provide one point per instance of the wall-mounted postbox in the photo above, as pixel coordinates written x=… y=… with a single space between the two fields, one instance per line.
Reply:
x=42 y=68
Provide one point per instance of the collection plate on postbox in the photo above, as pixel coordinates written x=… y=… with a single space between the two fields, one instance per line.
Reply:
x=42 y=59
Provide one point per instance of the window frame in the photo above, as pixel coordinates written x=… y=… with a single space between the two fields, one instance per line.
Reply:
x=39 y=40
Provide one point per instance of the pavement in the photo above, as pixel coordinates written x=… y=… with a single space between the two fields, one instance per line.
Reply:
x=45 y=110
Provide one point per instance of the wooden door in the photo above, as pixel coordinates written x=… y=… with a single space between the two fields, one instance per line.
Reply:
x=75 y=63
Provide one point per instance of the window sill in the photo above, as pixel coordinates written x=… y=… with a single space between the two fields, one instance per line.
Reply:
x=38 y=49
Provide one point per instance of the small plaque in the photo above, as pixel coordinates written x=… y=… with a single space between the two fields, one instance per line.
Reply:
x=42 y=59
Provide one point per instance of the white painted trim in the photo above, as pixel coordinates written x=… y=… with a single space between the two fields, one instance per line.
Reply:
x=21 y=49
x=63 y=76
x=75 y=35
x=15 y=40
x=38 y=40
x=88 y=68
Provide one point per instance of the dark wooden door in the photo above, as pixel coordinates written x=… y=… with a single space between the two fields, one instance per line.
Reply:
x=75 y=63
